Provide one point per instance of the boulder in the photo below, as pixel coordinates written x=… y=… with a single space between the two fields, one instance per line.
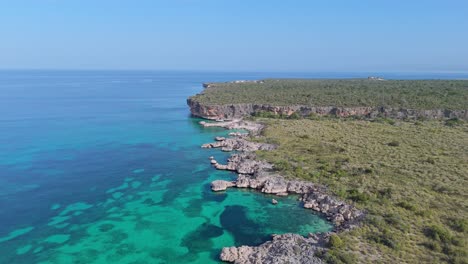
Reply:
x=273 y=201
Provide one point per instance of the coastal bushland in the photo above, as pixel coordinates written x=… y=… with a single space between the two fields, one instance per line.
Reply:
x=410 y=177
x=407 y=94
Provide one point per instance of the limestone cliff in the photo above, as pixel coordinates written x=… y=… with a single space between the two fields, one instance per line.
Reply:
x=236 y=111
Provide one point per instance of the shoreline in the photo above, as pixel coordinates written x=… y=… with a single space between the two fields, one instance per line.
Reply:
x=259 y=175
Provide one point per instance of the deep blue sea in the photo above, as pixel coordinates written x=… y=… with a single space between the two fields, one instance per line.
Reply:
x=106 y=167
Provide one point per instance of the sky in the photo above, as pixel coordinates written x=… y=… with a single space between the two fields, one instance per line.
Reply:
x=242 y=35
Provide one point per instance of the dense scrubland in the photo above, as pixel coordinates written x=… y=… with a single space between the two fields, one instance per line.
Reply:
x=410 y=177
x=410 y=94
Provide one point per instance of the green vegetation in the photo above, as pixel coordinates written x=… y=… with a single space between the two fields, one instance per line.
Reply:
x=409 y=94
x=410 y=177
x=335 y=242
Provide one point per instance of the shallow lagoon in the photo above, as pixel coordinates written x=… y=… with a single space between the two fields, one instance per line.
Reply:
x=106 y=167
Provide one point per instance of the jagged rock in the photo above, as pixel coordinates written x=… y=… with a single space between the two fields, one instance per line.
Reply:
x=282 y=249
x=220 y=166
x=220 y=185
x=220 y=138
x=339 y=218
x=243 y=181
x=275 y=185
x=240 y=144
x=301 y=187
x=238 y=134
x=226 y=149
x=311 y=205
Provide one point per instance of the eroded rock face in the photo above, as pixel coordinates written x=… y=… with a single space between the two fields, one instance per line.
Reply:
x=220 y=185
x=287 y=248
x=237 y=111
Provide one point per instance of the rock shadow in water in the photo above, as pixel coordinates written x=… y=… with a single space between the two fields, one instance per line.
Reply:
x=245 y=231
x=209 y=195
x=200 y=239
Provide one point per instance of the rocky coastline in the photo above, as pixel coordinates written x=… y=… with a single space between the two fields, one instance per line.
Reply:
x=237 y=111
x=260 y=175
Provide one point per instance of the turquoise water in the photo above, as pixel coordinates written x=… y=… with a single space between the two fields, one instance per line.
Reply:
x=106 y=167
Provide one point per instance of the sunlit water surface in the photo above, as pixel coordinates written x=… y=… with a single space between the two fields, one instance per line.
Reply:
x=106 y=167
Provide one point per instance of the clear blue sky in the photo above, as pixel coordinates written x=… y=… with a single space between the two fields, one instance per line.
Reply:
x=242 y=35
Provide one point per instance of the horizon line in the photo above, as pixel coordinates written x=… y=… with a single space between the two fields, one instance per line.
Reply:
x=238 y=71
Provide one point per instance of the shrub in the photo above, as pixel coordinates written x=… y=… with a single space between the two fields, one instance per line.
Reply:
x=386 y=238
x=433 y=246
x=338 y=257
x=453 y=122
x=460 y=225
x=282 y=165
x=376 y=220
x=438 y=233
x=357 y=196
x=265 y=114
x=335 y=241
x=394 y=144
x=396 y=221
x=294 y=116
x=312 y=116
x=430 y=160
x=407 y=206
x=384 y=120
x=456 y=255
x=386 y=193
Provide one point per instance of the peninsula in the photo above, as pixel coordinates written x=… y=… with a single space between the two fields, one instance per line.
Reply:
x=384 y=160
x=354 y=97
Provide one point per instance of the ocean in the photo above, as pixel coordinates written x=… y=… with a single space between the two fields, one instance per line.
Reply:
x=106 y=167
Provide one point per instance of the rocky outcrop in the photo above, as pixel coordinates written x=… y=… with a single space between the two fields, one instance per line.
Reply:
x=237 y=143
x=237 y=111
x=254 y=128
x=220 y=185
x=287 y=248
